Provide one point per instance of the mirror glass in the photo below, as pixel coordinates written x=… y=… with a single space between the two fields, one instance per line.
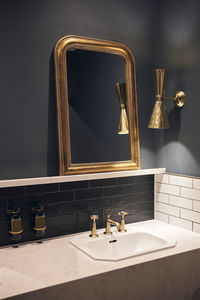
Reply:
x=94 y=108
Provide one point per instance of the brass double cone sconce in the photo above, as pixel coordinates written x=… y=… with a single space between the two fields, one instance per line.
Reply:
x=159 y=117
x=123 y=121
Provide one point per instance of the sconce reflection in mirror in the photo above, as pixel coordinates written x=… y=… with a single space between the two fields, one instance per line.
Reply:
x=123 y=121
x=159 y=118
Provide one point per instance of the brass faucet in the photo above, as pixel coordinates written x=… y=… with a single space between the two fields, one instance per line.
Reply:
x=120 y=226
x=93 y=231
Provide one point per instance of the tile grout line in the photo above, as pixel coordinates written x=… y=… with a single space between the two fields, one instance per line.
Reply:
x=181 y=207
x=181 y=186
x=180 y=196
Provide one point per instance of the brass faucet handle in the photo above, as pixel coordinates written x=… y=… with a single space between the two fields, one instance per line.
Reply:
x=94 y=229
x=94 y=217
x=122 y=213
x=122 y=227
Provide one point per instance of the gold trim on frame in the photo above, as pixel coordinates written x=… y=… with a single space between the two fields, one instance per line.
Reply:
x=66 y=167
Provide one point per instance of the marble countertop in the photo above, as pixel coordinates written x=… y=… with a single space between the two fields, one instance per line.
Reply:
x=35 y=266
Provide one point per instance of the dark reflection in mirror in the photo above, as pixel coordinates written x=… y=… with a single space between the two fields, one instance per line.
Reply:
x=94 y=109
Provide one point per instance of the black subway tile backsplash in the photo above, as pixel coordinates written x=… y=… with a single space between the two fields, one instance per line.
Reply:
x=128 y=199
x=147 y=215
x=135 y=179
x=117 y=190
x=3 y=217
x=73 y=206
x=3 y=203
x=83 y=216
x=57 y=197
x=143 y=187
x=147 y=196
x=15 y=202
x=68 y=206
x=133 y=218
x=41 y=188
x=102 y=202
x=12 y=191
x=61 y=220
x=89 y=193
x=103 y=182
x=74 y=185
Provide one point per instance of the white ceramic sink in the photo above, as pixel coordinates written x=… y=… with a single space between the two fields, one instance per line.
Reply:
x=120 y=246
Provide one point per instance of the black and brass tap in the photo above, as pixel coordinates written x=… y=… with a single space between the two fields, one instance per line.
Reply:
x=15 y=225
x=39 y=221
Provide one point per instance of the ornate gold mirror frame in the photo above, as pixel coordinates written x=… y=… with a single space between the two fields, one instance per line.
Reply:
x=66 y=166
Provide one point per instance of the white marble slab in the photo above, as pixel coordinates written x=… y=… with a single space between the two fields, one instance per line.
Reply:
x=36 y=266
x=68 y=178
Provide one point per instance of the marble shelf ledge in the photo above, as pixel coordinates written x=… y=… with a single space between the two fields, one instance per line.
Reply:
x=68 y=178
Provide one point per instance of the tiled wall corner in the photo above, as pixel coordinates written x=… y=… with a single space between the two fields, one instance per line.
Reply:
x=177 y=200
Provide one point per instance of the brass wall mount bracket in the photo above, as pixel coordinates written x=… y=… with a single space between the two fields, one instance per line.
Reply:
x=179 y=98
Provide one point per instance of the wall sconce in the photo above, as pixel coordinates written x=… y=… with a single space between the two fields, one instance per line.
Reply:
x=159 y=118
x=123 y=121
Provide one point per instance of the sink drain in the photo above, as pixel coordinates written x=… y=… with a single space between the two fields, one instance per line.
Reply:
x=113 y=241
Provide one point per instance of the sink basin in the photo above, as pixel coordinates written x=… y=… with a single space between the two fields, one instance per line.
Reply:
x=120 y=246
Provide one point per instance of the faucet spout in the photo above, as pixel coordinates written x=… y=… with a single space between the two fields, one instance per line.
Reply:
x=120 y=226
x=117 y=224
x=108 y=223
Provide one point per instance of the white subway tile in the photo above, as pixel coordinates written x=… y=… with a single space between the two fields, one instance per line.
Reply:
x=196 y=183
x=162 y=197
x=180 y=223
x=168 y=209
x=196 y=227
x=180 y=202
x=161 y=217
x=190 y=193
x=180 y=180
x=156 y=187
x=162 y=178
x=156 y=205
x=190 y=215
x=196 y=205
x=169 y=189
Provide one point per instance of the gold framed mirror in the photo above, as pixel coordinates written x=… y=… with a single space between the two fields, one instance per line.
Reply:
x=94 y=57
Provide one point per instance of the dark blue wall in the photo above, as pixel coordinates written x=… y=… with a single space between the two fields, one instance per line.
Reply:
x=29 y=31
x=178 y=50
